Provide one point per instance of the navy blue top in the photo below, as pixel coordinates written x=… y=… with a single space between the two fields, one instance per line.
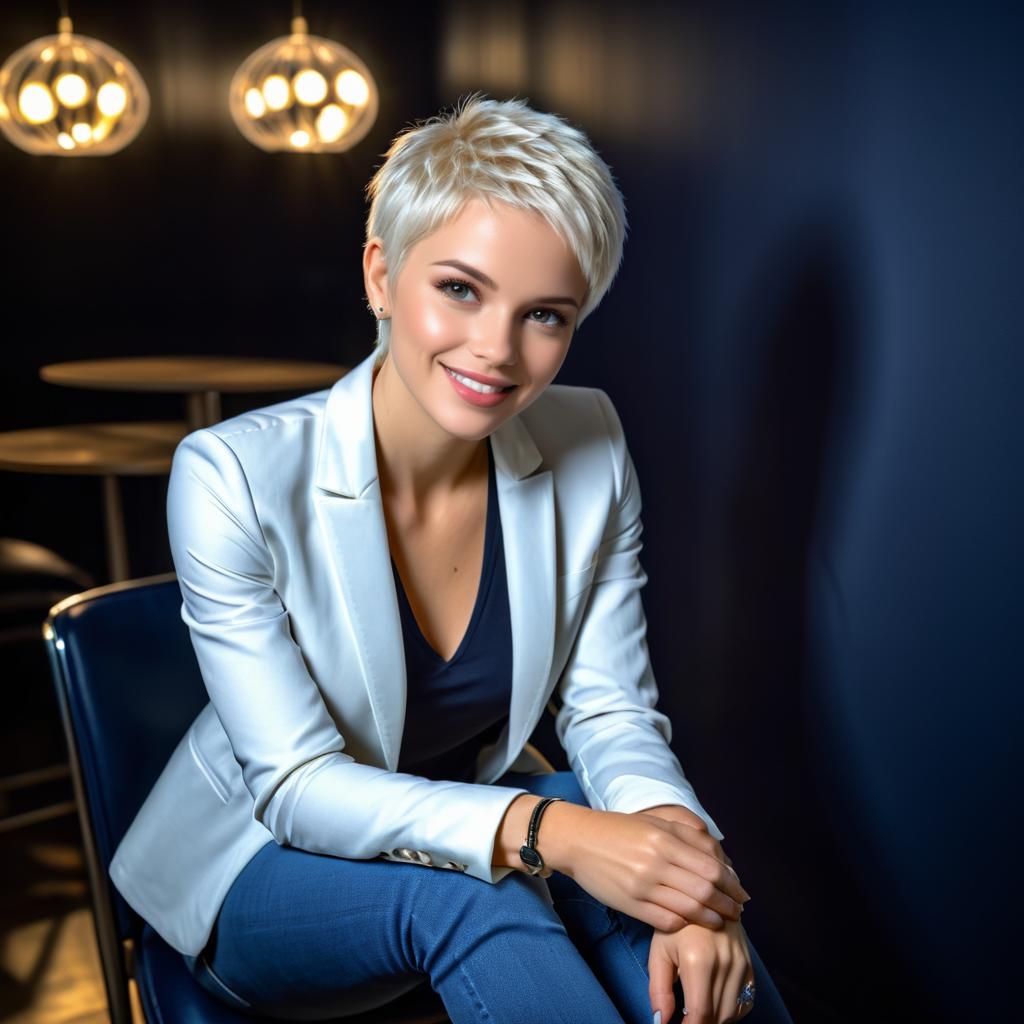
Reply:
x=453 y=708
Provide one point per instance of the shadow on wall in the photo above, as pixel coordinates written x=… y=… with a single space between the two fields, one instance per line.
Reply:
x=764 y=567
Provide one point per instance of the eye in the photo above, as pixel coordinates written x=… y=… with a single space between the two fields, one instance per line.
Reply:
x=466 y=287
x=454 y=282
x=559 y=320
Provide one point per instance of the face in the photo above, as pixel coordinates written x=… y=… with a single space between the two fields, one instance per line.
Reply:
x=494 y=294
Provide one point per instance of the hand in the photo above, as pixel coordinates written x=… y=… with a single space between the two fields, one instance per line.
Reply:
x=662 y=872
x=712 y=966
x=676 y=812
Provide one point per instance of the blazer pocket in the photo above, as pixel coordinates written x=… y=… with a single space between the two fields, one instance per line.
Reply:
x=571 y=584
x=210 y=747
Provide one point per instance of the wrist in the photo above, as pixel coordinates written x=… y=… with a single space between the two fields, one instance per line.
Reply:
x=560 y=829
x=661 y=810
x=676 y=812
x=555 y=836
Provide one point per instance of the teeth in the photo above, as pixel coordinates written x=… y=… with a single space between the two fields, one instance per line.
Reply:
x=484 y=389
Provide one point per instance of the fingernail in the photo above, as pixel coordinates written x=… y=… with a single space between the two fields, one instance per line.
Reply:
x=657 y=1018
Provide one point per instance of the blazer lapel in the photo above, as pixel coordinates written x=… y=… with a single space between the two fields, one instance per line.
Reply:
x=347 y=498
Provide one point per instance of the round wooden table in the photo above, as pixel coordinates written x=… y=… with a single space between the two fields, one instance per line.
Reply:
x=108 y=450
x=201 y=378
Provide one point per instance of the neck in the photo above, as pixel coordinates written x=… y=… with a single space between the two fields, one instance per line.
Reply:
x=419 y=464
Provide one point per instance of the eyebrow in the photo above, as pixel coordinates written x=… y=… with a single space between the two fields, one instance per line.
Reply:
x=566 y=300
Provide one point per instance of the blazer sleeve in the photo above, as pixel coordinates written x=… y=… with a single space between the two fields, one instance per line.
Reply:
x=615 y=740
x=307 y=791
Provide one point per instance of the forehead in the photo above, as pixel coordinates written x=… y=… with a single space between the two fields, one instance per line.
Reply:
x=501 y=238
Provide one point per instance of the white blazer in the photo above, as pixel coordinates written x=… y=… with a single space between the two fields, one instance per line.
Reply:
x=278 y=538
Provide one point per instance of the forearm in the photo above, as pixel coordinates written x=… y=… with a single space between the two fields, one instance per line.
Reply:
x=346 y=809
x=559 y=826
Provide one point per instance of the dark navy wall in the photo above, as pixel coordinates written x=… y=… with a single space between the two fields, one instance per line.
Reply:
x=815 y=344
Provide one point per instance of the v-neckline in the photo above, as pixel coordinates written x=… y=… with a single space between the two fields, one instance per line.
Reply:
x=483 y=584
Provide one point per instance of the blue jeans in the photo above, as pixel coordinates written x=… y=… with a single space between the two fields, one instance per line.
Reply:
x=298 y=928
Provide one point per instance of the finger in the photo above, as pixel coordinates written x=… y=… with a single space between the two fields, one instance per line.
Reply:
x=659 y=917
x=663 y=976
x=702 y=854
x=740 y=1011
x=727 y=989
x=699 y=888
x=708 y=843
x=743 y=972
x=701 y=839
x=697 y=856
x=682 y=903
x=727 y=861
x=696 y=976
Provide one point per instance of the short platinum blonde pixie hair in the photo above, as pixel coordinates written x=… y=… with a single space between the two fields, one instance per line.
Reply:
x=505 y=150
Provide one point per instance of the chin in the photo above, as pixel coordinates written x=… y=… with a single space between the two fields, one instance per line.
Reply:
x=468 y=427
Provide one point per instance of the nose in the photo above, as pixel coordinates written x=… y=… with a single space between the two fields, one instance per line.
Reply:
x=495 y=341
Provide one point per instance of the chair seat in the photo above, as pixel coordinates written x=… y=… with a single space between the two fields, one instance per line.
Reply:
x=168 y=993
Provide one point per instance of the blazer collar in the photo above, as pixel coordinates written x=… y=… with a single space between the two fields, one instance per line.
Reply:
x=347 y=458
x=348 y=503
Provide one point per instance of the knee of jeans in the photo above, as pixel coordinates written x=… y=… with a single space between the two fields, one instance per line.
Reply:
x=517 y=896
x=516 y=902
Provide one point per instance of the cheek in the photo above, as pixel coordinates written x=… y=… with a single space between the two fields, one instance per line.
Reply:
x=427 y=320
x=549 y=361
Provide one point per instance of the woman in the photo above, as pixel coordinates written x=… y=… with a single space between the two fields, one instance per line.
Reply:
x=353 y=723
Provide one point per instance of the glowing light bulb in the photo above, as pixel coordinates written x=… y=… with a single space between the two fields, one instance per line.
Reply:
x=112 y=98
x=300 y=139
x=254 y=105
x=310 y=87
x=71 y=89
x=36 y=104
x=81 y=132
x=276 y=92
x=65 y=141
x=331 y=123
x=351 y=88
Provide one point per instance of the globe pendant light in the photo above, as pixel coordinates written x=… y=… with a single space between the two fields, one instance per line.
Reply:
x=69 y=95
x=303 y=94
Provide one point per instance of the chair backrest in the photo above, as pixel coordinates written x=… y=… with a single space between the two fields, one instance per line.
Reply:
x=128 y=684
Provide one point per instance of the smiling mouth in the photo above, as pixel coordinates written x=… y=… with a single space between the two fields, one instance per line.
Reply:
x=483 y=389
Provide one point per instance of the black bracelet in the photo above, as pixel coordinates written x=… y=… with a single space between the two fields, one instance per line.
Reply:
x=529 y=854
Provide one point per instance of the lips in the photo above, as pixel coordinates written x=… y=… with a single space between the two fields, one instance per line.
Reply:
x=480 y=399
x=480 y=378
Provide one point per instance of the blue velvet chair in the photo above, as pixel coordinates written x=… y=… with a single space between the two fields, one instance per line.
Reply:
x=129 y=685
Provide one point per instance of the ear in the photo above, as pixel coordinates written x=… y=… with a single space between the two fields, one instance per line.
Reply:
x=375 y=275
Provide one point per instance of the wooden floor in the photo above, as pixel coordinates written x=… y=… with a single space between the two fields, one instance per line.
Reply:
x=49 y=963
